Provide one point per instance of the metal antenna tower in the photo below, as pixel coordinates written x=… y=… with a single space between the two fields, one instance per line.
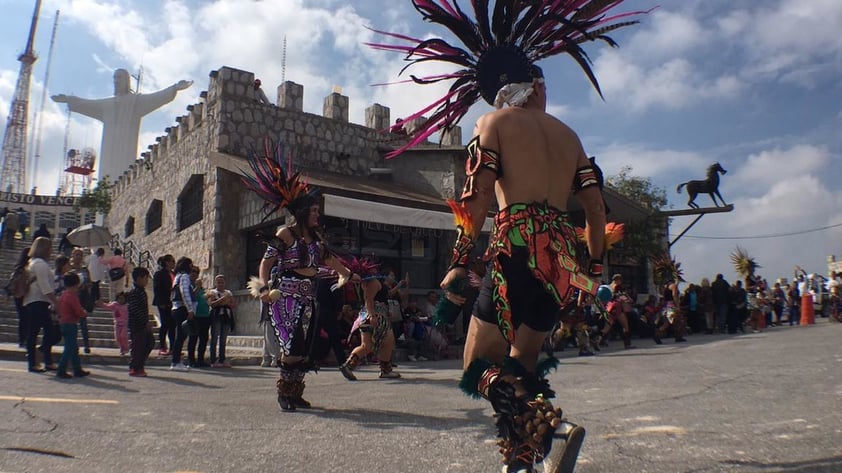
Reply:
x=13 y=174
x=284 y=62
x=39 y=118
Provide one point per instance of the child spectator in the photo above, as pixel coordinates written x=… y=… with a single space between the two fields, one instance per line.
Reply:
x=70 y=312
x=222 y=305
x=140 y=331
x=120 y=309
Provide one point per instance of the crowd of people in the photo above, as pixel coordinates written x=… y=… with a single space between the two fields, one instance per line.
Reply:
x=705 y=308
x=54 y=296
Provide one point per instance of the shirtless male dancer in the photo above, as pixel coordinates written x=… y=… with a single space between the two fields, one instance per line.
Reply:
x=500 y=360
x=530 y=162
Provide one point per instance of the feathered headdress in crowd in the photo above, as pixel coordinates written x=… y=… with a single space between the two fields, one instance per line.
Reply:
x=365 y=267
x=743 y=263
x=666 y=269
x=273 y=180
x=614 y=232
x=500 y=46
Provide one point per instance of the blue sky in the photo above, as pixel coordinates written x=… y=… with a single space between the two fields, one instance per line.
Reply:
x=754 y=85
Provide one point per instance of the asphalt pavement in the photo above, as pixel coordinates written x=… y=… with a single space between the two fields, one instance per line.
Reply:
x=765 y=402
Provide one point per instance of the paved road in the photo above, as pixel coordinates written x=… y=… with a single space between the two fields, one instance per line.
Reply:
x=767 y=402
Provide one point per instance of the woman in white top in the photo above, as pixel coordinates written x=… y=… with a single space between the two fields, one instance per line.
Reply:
x=37 y=303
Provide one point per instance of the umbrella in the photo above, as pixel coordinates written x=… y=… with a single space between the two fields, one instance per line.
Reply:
x=90 y=235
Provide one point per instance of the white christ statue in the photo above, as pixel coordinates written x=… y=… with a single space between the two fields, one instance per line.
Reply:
x=120 y=116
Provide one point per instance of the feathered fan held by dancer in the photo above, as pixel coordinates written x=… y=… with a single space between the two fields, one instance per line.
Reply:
x=288 y=271
x=533 y=265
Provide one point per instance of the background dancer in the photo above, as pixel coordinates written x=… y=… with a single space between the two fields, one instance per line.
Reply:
x=530 y=161
x=373 y=322
x=296 y=251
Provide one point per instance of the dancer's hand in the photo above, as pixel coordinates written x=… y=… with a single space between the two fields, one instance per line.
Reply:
x=452 y=276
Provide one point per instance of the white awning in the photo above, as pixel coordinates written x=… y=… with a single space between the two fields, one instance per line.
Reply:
x=369 y=211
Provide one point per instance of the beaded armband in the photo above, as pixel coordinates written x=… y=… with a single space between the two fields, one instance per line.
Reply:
x=464 y=236
x=479 y=158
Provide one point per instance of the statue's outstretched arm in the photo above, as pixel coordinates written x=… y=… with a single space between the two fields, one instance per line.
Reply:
x=93 y=108
x=147 y=103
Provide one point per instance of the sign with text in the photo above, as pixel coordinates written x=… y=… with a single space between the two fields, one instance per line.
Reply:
x=29 y=199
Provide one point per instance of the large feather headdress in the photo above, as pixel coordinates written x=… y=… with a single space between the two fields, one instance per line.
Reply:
x=743 y=263
x=499 y=46
x=273 y=179
x=666 y=268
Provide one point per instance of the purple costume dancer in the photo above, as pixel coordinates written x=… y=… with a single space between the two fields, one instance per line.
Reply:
x=292 y=259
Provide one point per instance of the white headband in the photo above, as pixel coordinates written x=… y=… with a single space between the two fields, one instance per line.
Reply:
x=515 y=94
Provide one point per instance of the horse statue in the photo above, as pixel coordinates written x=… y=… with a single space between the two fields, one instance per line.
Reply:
x=709 y=186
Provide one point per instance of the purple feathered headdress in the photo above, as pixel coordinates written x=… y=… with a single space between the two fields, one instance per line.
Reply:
x=367 y=268
x=500 y=46
x=273 y=179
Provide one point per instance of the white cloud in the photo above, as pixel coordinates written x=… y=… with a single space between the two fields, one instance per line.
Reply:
x=657 y=164
x=768 y=168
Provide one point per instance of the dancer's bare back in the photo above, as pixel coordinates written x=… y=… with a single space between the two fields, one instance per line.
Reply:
x=539 y=156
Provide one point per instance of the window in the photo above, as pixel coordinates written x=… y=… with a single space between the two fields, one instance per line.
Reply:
x=128 y=230
x=68 y=220
x=47 y=218
x=90 y=217
x=190 y=202
x=153 y=216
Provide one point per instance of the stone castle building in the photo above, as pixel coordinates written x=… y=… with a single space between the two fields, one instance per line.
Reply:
x=186 y=197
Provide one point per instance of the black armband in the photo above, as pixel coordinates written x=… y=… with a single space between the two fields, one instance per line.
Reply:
x=585 y=177
x=479 y=158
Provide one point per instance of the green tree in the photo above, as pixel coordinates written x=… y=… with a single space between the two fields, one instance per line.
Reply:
x=642 y=237
x=97 y=200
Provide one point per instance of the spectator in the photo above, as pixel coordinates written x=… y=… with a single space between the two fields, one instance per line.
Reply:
x=428 y=305
x=23 y=320
x=398 y=295
x=778 y=303
x=793 y=300
x=142 y=339
x=162 y=283
x=415 y=332
x=271 y=348
x=120 y=309
x=222 y=305
x=705 y=301
x=11 y=225
x=86 y=298
x=184 y=309
x=117 y=271
x=721 y=291
x=259 y=95
x=64 y=246
x=201 y=324
x=42 y=232
x=694 y=317
x=70 y=311
x=37 y=303
x=739 y=314
x=347 y=316
x=98 y=270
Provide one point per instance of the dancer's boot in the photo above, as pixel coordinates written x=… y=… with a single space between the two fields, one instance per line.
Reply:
x=347 y=368
x=387 y=372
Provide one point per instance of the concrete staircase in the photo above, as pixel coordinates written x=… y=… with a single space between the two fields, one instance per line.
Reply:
x=100 y=323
